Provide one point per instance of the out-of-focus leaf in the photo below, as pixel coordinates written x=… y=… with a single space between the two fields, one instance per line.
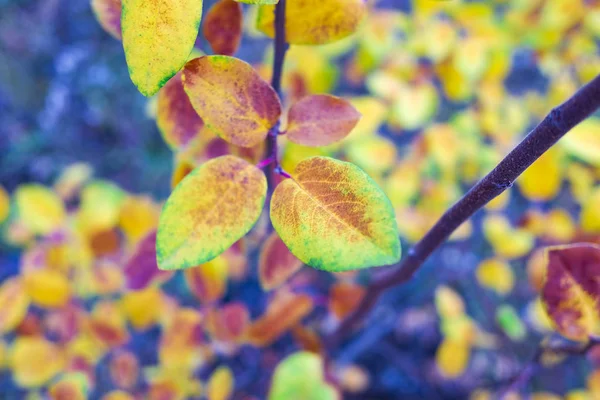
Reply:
x=510 y=322
x=142 y=269
x=228 y=323
x=35 y=361
x=72 y=385
x=124 y=369
x=222 y=27
x=542 y=180
x=319 y=120
x=284 y=311
x=220 y=384
x=571 y=292
x=40 y=209
x=452 y=358
x=315 y=21
x=332 y=216
x=142 y=308
x=208 y=281
x=507 y=241
x=108 y=13
x=300 y=377
x=496 y=275
x=583 y=142
x=344 y=297
x=158 y=37
x=276 y=263
x=212 y=208
x=375 y=154
x=14 y=303
x=179 y=343
x=177 y=120
x=100 y=207
x=138 y=217
x=4 y=204
x=231 y=98
x=47 y=288
x=108 y=324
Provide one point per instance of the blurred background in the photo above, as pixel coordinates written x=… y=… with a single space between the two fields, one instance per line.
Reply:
x=446 y=89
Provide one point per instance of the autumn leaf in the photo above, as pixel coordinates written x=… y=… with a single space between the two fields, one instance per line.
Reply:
x=276 y=264
x=332 y=216
x=232 y=99
x=222 y=27
x=141 y=268
x=220 y=384
x=208 y=281
x=258 y=1
x=228 y=323
x=158 y=37
x=40 y=209
x=177 y=120
x=344 y=297
x=319 y=120
x=571 y=292
x=35 y=361
x=315 y=21
x=300 y=376
x=212 y=208
x=14 y=303
x=108 y=13
x=452 y=357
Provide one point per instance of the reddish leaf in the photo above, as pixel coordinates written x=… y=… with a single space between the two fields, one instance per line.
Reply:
x=141 y=269
x=228 y=323
x=124 y=369
x=108 y=13
x=285 y=310
x=322 y=119
x=344 y=298
x=223 y=27
x=571 y=292
x=276 y=263
x=176 y=118
x=208 y=281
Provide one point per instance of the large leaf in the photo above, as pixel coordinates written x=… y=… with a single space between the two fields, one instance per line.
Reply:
x=571 y=292
x=158 y=37
x=213 y=207
x=319 y=120
x=333 y=216
x=315 y=21
x=232 y=99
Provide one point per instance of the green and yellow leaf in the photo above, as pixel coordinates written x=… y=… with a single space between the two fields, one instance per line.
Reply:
x=332 y=216
x=158 y=37
x=213 y=207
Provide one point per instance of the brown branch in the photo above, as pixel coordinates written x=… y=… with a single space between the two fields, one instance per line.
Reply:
x=556 y=124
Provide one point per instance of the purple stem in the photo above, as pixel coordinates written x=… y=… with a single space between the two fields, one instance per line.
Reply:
x=556 y=124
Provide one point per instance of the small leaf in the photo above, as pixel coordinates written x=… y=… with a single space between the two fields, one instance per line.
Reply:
x=142 y=308
x=228 y=323
x=141 y=269
x=344 y=297
x=14 y=303
x=212 y=208
x=332 y=216
x=315 y=21
x=232 y=99
x=158 y=37
x=40 y=209
x=276 y=264
x=258 y=1
x=35 y=361
x=452 y=358
x=108 y=14
x=320 y=120
x=510 y=322
x=4 y=204
x=571 y=292
x=220 y=384
x=47 y=288
x=300 y=376
x=208 y=281
x=222 y=27
x=284 y=311
x=177 y=120
x=496 y=275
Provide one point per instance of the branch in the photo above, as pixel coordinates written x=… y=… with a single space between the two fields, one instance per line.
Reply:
x=518 y=381
x=281 y=47
x=556 y=124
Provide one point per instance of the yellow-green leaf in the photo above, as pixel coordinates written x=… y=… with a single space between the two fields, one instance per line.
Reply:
x=158 y=37
x=300 y=377
x=315 y=21
x=40 y=209
x=333 y=216
x=212 y=207
x=232 y=99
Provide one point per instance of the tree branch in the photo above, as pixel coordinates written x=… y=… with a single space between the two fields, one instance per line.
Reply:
x=556 y=124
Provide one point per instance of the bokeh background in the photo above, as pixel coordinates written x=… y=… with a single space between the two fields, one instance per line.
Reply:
x=66 y=98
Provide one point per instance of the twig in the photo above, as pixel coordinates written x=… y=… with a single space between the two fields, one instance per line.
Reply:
x=518 y=381
x=556 y=124
x=281 y=47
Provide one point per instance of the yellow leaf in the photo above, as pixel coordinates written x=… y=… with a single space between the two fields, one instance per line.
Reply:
x=583 y=141
x=40 y=209
x=232 y=99
x=220 y=384
x=47 y=288
x=142 y=307
x=158 y=37
x=452 y=358
x=332 y=216
x=212 y=208
x=4 y=204
x=543 y=179
x=496 y=275
x=34 y=361
x=315 y=21
x=14 y=303
x=138 y=217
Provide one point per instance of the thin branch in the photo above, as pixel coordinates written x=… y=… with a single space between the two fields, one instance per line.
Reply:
x=280 y=47
x=556 y=124
x=517 y=382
